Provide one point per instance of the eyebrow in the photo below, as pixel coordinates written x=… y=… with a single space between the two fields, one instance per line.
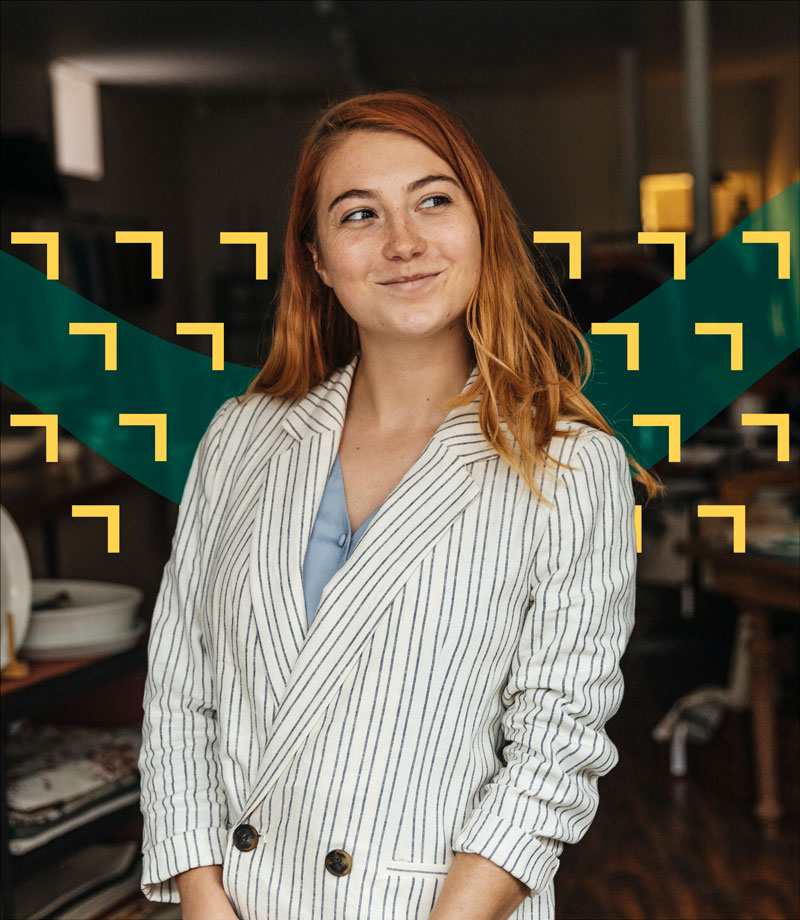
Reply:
x=368 y=193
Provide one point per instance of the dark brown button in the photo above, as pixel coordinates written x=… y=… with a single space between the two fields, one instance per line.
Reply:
x=338 y=862
x=245 y=838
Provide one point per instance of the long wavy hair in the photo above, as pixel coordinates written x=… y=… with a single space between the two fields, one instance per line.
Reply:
x=532 y=360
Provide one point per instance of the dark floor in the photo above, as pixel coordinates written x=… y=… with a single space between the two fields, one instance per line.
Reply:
x=688 y=848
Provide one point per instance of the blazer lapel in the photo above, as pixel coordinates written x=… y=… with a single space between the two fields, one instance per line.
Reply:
x=416 y=514
x=291 y=492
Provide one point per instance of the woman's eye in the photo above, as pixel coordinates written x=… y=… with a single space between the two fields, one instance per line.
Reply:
x=438 y=200
x=358 y=215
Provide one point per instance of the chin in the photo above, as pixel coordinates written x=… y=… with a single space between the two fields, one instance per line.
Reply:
x=421 y=331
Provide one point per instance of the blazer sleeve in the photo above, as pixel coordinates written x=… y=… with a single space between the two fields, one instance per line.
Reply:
x=182 y=797
x=565 y=680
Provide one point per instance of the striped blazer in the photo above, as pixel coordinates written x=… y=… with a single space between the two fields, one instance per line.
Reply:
x=450 y=694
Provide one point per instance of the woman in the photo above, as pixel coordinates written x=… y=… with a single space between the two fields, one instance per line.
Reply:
x=388 y=636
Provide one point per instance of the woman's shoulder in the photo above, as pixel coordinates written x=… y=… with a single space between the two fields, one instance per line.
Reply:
x=242 y=428
x=241 y=419
x=251 y=411
x=584 y=434
x=576 y=441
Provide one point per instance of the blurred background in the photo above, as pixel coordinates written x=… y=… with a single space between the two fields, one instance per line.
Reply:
x=606 y=116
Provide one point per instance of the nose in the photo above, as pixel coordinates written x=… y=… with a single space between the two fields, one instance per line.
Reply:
x=403 y=239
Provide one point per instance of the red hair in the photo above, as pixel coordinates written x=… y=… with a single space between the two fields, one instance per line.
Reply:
x=532 y=360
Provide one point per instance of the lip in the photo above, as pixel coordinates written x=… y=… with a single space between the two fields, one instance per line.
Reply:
x=411 y=282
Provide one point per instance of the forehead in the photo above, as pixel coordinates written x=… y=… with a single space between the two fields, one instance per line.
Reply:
x=370 y=159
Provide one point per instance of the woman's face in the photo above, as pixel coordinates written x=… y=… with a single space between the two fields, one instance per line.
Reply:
x=398 y=240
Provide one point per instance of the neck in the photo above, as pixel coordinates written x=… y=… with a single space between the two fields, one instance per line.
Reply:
x=400 y=388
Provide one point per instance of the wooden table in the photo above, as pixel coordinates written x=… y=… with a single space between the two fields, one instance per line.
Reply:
x=758 y=585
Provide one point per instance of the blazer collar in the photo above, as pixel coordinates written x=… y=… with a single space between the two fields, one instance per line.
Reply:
x=323 y=409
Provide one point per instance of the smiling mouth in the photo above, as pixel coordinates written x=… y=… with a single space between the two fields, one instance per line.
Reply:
x=410 y=282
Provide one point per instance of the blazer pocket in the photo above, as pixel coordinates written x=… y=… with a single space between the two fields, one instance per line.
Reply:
x=415 y=868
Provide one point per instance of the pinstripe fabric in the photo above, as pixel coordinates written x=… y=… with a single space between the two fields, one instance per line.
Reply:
x=449 y=695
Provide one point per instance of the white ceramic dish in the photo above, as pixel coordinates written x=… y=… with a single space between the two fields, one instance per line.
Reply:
x=97 y=611
x=109 y=645
x=15 y=584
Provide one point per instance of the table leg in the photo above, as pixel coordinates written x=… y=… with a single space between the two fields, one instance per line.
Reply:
x=768 y=808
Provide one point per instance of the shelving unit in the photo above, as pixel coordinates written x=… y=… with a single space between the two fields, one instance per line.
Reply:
x=39 y=496
x=50 y=684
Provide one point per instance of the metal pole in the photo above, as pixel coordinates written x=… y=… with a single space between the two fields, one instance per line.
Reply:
x=630 y=99
x=697 y=100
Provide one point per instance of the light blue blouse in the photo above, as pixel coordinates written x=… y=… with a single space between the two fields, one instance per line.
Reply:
x=331 y=541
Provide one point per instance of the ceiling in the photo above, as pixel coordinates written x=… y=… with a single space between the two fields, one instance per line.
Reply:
x=294 y=46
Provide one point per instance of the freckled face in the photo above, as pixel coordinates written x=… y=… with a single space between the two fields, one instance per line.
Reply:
x=398 y=239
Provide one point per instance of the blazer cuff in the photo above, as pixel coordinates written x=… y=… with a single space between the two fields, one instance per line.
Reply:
x=531 y=859
x=161 y=862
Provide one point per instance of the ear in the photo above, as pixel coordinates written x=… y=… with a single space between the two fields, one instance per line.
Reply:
x=318 y=266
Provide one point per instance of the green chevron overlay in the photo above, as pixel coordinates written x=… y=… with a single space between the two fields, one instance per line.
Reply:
x=689 y=375
x=65 y=374
x=680 y=372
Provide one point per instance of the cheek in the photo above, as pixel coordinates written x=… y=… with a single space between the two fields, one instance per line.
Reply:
x=349 y=259
x=475 y=241
x=476 y=255
x=461 y=242
x=469 y=255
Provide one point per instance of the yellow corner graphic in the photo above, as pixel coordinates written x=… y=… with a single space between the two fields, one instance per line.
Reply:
x=260 y=240
x=109 y=330
x=159 y=423
x=737 y=512
x=43 y=238
x=637 y=523
x=155 y=240
x=672 y=423
x=217 y=333
x=572 y=238
x=674 y=238
x=50 y=425
x=110 y=512
x=780 y=420
x=734 y=330
x=782 y=237
x=631 y=331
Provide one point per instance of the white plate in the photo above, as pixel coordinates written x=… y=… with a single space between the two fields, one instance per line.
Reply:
x=15 y=584
x=97 y=610
x=106 y=646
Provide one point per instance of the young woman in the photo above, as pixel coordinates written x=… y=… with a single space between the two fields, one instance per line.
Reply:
x=388 y=637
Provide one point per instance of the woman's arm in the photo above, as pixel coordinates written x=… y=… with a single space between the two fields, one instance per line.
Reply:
x=203 y=895
x=182 y=795
x=478 y=889
x=565 y=680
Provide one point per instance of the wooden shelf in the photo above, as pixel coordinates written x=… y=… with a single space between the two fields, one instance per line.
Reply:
x=50 y=684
